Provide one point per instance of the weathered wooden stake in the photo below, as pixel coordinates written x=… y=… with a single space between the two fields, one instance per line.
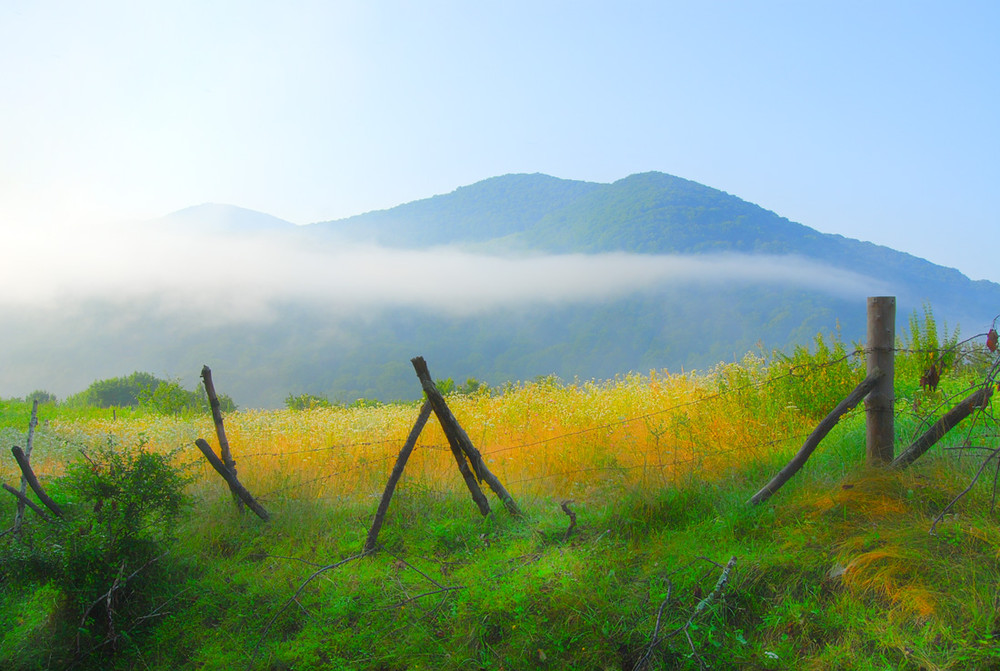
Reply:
x=29 y=475
x=456 y=451
x=230 y=477
x=32 y=423
x=397 y=473
x=220 y=429
x=23 y=501
x=469 y=477
x=572 y=518
x=879 y=421
x=946 y=423
x=457 y=436
x=813 y=441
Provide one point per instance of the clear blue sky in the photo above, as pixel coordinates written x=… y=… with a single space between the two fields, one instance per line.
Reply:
x=875 y=120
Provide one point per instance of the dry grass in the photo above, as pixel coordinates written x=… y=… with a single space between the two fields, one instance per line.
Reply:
x=542 y=439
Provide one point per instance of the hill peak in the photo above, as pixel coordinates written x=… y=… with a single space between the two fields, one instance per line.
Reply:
x=223 y=218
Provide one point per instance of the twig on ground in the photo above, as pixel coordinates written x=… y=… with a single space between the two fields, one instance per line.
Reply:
x=413 y=568
x=702 y=606
x=294 y=598
x=965 y=491
x=654 y=640
x=420 y=596
x=572 y=518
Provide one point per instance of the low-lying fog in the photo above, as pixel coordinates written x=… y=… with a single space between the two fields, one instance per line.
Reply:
x=224 y=277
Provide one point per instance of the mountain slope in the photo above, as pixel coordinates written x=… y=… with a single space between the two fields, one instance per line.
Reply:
x=276 y=308
x=654 y=213
x=484 y=211
x=225 y=219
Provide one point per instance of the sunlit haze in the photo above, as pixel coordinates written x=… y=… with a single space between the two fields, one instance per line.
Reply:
x=877 y=121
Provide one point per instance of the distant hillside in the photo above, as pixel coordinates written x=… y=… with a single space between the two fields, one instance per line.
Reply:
x=482 y=212
x=271 y=319
x=653 y=213
x=228 y=219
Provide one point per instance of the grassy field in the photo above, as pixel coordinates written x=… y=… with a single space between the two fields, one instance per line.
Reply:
x=666 y=567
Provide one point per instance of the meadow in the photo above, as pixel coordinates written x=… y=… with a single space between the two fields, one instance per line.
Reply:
x=666 y=565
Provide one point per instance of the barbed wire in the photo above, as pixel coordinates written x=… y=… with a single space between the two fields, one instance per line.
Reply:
x=757 y=379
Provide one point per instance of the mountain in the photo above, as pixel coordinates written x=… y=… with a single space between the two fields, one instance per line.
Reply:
x=654 y=213
x=510 y=278
x=485 y=211
x=214 y=218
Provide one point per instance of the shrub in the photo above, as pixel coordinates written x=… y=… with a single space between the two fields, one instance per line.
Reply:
x=924 y=347
x=306 y=402
x=117 y=392
x=121 y=506
x=816 y=381
x=43 y=397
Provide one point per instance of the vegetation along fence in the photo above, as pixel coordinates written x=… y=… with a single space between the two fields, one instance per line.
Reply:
x=544 y=441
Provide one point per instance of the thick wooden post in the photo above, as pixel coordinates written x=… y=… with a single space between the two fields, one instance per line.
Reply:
x=29 y=475
x=879 y=421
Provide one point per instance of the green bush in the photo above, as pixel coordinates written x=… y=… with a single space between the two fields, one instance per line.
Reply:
x=146 y=391
x=127 y=501
x=170 y=398
x=43 y=397
x=306 y=402
x=117 y=392
x=815 y=381
x=109 y=552
x=924 y=346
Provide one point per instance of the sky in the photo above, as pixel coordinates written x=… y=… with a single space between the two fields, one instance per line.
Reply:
x=874 y=120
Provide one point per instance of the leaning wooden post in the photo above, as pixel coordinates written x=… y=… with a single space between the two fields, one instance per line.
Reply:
x=948 y=421
x=229 y=476
x=397 y=473
x=32 y=423
x=220 y=429
x=457 y=436
x=818 y=434
x=29 y=475
x=23 y=500
x=879 y=421
x=456 y=451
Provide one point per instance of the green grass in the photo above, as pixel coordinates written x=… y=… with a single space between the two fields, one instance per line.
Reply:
x=838 y=570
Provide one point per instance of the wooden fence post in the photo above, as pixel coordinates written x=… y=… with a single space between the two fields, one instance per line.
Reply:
x=460 y=441
x=448 y=421
x=29 y=475
x=32 y=423
x=818 y=434
x=879 y=421
x=397 y=473
x=948 y=421
x=220 y=429
x=235 y=486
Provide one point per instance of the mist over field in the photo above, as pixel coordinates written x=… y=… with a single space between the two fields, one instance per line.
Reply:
x=219 y=278
x=272 y=307
x=507 y=279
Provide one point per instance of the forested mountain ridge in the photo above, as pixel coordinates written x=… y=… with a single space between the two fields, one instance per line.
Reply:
x=648 y=213
x=481 y=212
x=339 y=308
